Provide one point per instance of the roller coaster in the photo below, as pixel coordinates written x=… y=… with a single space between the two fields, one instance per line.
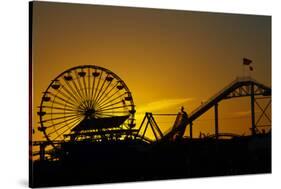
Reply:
x=240 y=87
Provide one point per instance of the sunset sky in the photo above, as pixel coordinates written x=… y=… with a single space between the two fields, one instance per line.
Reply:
x=167 y=58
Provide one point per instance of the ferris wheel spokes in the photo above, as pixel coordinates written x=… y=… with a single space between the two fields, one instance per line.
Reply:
x=112 y=100
x=73 y=125
x=106 y=95
x=101 y=94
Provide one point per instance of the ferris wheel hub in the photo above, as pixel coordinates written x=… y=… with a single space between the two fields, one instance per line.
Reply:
x=89 y=112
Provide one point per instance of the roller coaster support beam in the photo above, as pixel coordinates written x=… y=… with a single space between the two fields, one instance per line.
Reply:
x=216 y=121
x=252 y=96
x=190 y=130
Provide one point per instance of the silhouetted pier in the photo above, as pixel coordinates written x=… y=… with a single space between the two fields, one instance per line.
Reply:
x=128 y=155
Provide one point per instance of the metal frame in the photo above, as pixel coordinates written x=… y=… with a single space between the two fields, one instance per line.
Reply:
x=150 y=121
x=240 y=87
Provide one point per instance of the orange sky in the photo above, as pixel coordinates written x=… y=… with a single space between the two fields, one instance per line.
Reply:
x=167 y=58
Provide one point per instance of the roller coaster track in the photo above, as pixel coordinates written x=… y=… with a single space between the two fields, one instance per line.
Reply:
x=240 y=87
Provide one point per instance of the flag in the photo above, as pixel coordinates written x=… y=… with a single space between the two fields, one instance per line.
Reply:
x=251 y=68
x=246 y=61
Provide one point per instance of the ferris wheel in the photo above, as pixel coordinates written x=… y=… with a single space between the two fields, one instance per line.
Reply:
x=87 y=103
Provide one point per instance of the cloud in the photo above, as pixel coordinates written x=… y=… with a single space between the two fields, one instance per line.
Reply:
x=162 y=104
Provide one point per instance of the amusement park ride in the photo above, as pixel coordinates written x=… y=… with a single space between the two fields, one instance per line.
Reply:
x=88 y=110
x=87 y=103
